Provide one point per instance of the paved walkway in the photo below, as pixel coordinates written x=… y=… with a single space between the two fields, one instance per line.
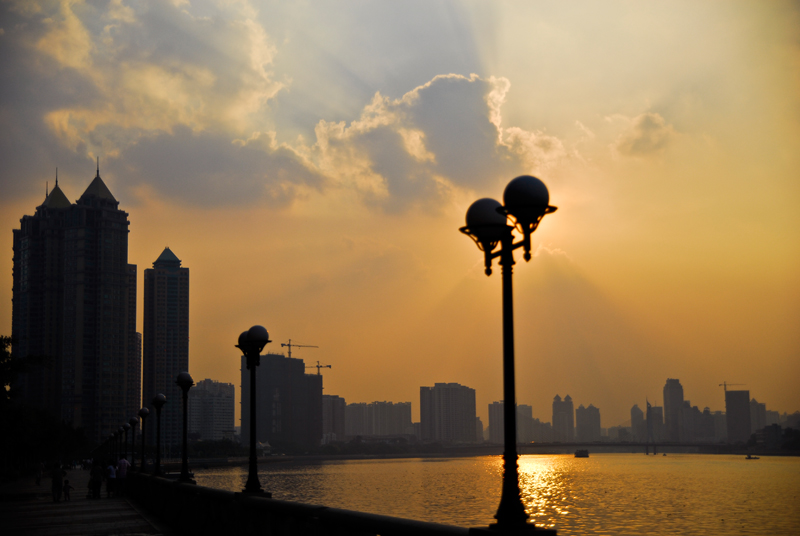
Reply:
x=27 y=509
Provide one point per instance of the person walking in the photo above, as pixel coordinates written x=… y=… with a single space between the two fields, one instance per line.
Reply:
x=57 y=476
x=67 y=488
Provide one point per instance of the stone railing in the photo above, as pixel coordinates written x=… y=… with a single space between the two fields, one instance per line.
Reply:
x=192 y=509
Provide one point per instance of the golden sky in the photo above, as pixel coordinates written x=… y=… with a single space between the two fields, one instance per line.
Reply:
x=311 y=163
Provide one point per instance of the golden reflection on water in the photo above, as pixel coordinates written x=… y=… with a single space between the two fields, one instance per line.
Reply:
x=544 y=489
x=604 y=494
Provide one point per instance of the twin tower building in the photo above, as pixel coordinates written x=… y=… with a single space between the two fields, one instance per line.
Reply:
x=74 y=312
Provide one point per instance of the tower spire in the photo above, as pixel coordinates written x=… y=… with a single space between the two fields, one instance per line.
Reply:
x=56 y=176
x=98 y=166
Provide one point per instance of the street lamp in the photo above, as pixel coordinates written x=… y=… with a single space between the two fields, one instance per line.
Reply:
x=134 y=421
x=251 y=342
x=185 y=382
x=158 y=402
x=143 y=413
x=526 y=202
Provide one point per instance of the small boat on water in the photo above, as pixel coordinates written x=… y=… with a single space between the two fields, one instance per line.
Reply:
x=750 y=457
x=581 y=453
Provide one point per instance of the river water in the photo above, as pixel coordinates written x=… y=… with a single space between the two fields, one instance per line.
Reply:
x=604 y=494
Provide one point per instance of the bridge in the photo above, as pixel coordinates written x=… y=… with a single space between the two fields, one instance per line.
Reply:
x=703 y=447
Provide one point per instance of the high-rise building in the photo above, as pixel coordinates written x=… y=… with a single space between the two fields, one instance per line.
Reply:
x=74 y=304
x=720 y=426
x=447 y=413
x=705 y=430
x=378 y=419
x=356 y=420
x=166 y=341
x=211 y=410
x=333 y=418
x=133 y=347
x=496 y=422
x=587 y=423
x=563 y=419
x=528 y=428
x=758 y=415
x=673 y=409
x=288 y=403
x=638 y=426
x=655 y=423
x=691 y=422
x=737 y=415
x=772 y=417
x=524 y=423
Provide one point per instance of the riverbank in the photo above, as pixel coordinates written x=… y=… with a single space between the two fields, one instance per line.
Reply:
x=476 y=450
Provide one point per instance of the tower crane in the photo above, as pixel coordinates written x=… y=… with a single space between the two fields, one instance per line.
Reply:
x=289 y=344
x=725 y=385
x=318 y=366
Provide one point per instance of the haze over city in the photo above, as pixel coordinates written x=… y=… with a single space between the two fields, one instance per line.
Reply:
x=311 y=164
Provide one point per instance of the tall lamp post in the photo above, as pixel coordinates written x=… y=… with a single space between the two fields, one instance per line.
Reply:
x=526 y=202
x=143 y=413
x=251 y=342
x=134 y=421
x=185 y=382
x=158 y=402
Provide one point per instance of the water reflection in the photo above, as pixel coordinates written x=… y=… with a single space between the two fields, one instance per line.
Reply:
x=619 y=493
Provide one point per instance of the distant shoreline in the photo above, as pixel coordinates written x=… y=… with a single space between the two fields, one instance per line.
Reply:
x=492 y=450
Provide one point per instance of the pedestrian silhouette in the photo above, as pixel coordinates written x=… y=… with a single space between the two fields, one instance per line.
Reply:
x=57 y=475
x=66 y=489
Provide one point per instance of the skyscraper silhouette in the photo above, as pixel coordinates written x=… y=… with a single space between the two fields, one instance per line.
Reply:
x=212 y=408
x=166 y=341
x=447 y=413
x=133 y=348
x=288 y=403
x=74 y=303
x=587 y=423
x=496 y=423
x=673 y=409
x=638 y=426
x=737 y=413
x=563 y=419
x=333 y=418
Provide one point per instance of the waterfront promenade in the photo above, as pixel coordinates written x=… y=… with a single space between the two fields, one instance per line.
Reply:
x=28 y=509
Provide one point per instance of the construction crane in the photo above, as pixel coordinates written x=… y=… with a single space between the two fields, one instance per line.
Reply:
x=318 y=366
x=725 y=385
x=289 y=344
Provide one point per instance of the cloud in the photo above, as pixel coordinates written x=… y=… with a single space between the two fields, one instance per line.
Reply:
x=648 y=133
x=207 y=169
x=152 y=66
x=443 y=135
x=163 y=91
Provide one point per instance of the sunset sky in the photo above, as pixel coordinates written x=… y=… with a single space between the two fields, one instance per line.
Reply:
x=311 y=162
